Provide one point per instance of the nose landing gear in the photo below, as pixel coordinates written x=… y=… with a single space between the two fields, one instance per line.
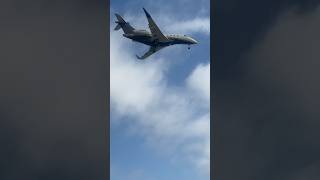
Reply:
x=188 y=47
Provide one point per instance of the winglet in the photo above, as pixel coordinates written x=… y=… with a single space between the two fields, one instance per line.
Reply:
x=138 y=57
x=147 y=14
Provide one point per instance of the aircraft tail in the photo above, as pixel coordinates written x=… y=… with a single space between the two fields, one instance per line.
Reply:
x=121 y=23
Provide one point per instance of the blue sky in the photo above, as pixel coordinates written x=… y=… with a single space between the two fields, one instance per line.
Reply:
x=160 y=107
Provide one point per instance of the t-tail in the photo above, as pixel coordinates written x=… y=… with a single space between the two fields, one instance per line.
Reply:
x=121 y=23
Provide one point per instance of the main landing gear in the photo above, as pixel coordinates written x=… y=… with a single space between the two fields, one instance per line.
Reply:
x=188 y=47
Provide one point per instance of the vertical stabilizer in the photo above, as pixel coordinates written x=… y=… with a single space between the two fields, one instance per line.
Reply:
x=121 y=23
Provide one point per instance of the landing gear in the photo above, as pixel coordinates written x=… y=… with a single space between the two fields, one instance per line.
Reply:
x=188 y=47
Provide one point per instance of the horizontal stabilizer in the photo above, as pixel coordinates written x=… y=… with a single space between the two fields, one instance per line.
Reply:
x=117 y=27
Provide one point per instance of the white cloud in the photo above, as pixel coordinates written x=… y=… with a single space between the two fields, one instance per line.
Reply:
x=199 y=80
x=132 y=174
x=196 y=25
x=168 y=117
x=131 y=81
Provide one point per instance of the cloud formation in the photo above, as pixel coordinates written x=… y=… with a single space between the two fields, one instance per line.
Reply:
x=196 y=25
x=176 y=118
x=202 y=84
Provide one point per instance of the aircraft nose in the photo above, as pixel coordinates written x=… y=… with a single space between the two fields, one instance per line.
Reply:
x=193 y=41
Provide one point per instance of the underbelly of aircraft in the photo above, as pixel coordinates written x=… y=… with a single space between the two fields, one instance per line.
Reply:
x=151 y=42
x=142 y=39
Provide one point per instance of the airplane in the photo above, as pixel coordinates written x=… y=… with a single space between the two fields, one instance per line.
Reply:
x=155 y=38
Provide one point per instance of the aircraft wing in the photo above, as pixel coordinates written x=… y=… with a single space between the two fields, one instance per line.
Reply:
x=155 y=31
x=152 y=50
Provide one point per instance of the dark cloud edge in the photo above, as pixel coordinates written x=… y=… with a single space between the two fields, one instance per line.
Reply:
x=54 y=94
x=222 y=166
